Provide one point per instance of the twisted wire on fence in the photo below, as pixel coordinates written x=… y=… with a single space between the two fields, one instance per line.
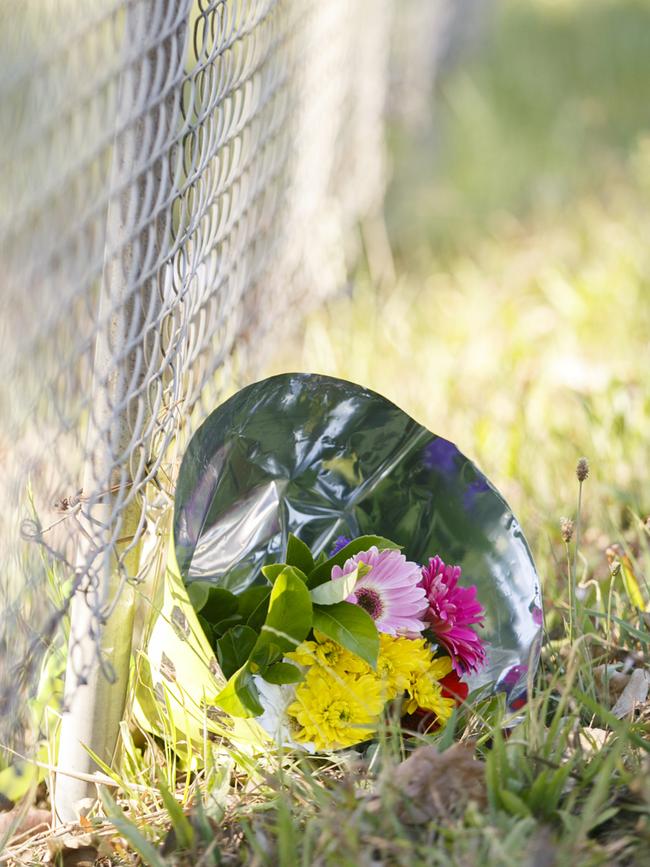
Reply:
x=179 y=180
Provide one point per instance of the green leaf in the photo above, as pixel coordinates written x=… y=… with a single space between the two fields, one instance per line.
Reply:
x=198 y=592
x=447 y=738
x=146 y=850
x=338 y=589
x=202 y=823
x=254 y=604
x=266 y=655
x=323 y=572
x=299 y=555
x=180 y=823
x=514 y=804
x=240 y=697
x=221 y=604
x=17 y=779
x=539 y=792
x=272 y=570
x=351 y=627
x=289 y=617
x=557 y=786
x=492 y=780
x=640 y=635
x=282 y=672
x=234 y=648
x=206 y=627
x=605 y=816
x=220 y=628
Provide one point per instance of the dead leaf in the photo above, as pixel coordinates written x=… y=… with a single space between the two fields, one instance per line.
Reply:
x=83 y=857
x=73 y=848
x=610 y=683
x=32 y=818
x=86 y=825
x=433 y=785
x=592 y=739
x=634 y=694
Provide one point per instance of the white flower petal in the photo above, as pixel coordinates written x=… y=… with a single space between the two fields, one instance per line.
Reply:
x=275 y=699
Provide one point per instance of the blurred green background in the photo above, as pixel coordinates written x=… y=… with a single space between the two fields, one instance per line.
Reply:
x=513 y=313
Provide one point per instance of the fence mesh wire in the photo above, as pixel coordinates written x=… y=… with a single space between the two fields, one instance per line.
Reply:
x=179 y=179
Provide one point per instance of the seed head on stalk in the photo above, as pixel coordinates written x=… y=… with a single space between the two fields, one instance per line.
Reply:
x=582 y=469
x=566 y=529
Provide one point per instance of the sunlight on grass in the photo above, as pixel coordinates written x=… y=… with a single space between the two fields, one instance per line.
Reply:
x=545 y=112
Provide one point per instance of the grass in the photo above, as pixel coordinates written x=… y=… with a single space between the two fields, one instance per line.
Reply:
x=517 y=326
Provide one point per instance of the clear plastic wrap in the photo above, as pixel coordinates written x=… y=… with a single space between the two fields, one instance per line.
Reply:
x=320 y=457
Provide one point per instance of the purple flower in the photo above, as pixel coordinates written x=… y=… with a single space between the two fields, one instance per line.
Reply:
x=472 y=492
x=340 y=543
x=440 y=455
x=451 y=612
x=389 y=592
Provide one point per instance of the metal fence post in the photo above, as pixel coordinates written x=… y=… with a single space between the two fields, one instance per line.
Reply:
x=137 y=243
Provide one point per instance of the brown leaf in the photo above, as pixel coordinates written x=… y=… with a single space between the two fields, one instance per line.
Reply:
x=86 y=825
x=433 y=785
x=76 y=847
x=83 y=857
x=33 y=818
x=610 y=683
x=634 y=694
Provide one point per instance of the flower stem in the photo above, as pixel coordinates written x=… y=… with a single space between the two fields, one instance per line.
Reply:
x=571 y=594
x=574 y=571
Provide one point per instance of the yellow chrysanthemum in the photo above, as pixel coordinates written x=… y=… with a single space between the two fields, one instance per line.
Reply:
x=329 y=654
x=399 y=660
x=334 y=712
x=424 y=690
x=340 y=701
x=439 y=667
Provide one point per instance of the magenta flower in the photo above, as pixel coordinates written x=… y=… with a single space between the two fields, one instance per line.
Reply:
x=389 y=592
x=451 y=612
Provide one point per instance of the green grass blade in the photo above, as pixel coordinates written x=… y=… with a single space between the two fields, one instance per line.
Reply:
x=146 y=850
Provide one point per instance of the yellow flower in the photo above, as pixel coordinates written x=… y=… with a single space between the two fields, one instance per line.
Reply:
x=399 y=660
x=341 y=699
x=424 y=690
x=333 y=712
x=329 y=654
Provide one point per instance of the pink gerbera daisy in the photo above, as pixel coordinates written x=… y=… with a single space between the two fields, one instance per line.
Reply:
x=451 y=612
x=389 y=592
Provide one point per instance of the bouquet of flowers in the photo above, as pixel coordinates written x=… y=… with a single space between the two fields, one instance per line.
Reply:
x=267 y=629
x=342 y=638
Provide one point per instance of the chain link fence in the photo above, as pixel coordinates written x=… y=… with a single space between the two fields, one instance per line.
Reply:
x=179 y=181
